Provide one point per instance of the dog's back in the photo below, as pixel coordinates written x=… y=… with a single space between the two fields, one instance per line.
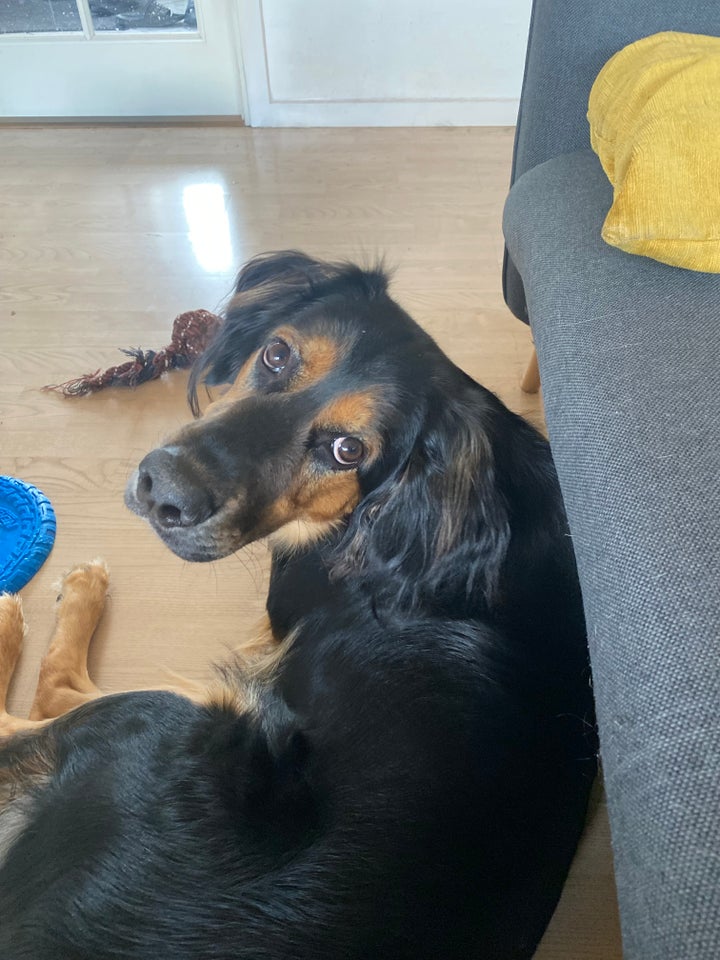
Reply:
x=395 y=796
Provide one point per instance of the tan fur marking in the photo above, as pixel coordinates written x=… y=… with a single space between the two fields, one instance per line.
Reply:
x=319 y=356
x=240 y=684
x=12 y=634
x=10 y=725
x=334 y=496
x=240 y=699
x=262 y=638
x=315 y=503
x=350 y=413
x=262 y=669
x=320 y=500
x=302 y=518
x=259 y=647
x=298 y=534
x=192 y=690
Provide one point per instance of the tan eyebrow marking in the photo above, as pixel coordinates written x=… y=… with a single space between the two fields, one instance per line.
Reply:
x=351 y=412
x=318 y=355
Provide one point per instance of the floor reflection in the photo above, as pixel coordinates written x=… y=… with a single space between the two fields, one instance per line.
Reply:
x=208 y=226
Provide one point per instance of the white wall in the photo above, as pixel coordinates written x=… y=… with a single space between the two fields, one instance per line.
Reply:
x=382 y=62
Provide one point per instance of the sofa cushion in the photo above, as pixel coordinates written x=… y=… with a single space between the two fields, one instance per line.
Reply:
x=567 y=46
x=628 y=359
x=654 y=115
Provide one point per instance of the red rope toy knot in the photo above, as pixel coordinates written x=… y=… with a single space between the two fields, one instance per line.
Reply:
x=191 y=333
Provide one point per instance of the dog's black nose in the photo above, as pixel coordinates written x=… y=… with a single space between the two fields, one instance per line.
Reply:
x=169 y=491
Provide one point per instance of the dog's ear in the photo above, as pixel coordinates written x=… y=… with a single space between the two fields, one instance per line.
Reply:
x=260 y=765
x=268 y=290
x=268 y=285
x=440 y=522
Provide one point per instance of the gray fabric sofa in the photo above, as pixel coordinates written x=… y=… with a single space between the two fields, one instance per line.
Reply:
x=629 y=356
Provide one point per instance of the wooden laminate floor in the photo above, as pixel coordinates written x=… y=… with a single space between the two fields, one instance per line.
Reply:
x=106 y=234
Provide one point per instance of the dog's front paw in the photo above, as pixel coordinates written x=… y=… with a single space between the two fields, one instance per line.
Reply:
x=12 y=627
x=87 y=582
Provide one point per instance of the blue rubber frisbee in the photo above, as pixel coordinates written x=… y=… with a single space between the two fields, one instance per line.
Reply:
x=27 y=532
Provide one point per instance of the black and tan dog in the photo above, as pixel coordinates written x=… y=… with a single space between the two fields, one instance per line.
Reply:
x=403 y=770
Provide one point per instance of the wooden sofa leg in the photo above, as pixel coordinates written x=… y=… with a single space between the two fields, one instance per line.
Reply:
x=531 y=380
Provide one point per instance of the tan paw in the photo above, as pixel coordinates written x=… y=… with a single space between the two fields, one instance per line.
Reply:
x=12 y=626
x=12 y=633
x=87 y=583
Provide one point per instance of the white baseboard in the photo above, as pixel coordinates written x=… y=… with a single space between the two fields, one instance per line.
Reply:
x=384 y=113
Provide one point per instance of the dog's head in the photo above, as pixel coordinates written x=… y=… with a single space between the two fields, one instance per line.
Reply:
x=340 y=411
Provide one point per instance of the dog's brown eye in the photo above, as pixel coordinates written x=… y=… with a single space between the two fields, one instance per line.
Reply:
x=276 y=356
x=348 y=450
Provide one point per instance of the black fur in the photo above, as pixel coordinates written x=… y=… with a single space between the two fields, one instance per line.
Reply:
x=413 y=777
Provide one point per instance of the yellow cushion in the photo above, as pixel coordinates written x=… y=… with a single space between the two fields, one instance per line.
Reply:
x=654 y=115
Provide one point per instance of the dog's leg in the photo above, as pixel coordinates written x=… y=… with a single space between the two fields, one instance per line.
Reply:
x=12 y=633
x=531 y=378
x=64 y=681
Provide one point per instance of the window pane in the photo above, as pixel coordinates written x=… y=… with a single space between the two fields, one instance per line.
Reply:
x=144 y=15
x=39 y=16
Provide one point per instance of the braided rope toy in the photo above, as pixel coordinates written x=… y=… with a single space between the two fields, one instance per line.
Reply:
x=191 y=333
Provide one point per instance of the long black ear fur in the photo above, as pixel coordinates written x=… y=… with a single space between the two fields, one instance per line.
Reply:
x=268 y=290
x=440 y=522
